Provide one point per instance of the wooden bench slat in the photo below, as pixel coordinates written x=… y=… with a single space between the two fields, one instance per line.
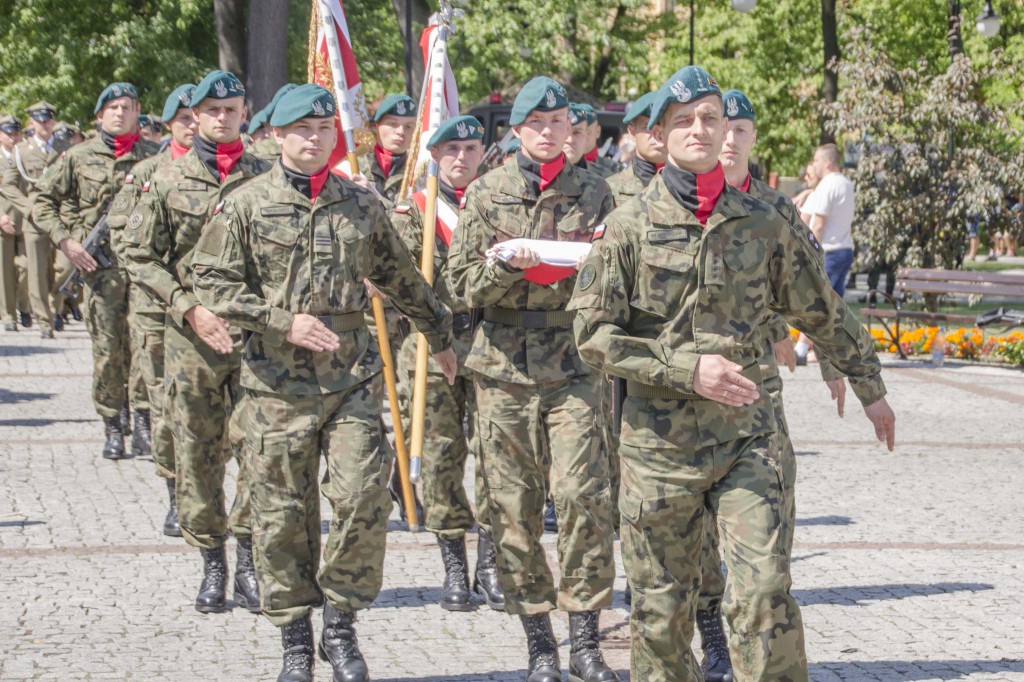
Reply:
x=958 y=276
x=980 y=289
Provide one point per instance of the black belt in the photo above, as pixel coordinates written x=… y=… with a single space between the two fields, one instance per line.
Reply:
x=345 y=322
x=530 y=319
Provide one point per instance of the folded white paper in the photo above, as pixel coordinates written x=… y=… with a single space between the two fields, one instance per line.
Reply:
x=565 y=254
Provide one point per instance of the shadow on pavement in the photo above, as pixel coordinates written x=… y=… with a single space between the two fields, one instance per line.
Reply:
x=831 y=520
x=495 y=676
x=21 y=524
x=860 y=594
x=909 y=671
x=12 y=397
x=23 y=351
x=807 y=453
x=43 y=422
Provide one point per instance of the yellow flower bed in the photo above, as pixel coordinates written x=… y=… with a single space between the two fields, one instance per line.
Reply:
x=963 y=343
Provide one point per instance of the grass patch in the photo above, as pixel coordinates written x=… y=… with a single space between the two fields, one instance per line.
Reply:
x=991 y=266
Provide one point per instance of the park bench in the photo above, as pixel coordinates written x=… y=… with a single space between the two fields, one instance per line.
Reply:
x=910 y=281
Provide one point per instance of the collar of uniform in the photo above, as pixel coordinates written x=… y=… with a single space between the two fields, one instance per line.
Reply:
x=195 y=169
x=566 y=182
x=663 y=209
x=334 y=189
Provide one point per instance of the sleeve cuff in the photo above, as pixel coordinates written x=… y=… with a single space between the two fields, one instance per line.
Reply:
x=828 y=370
x=502 y=276
x=58 y=235
x=682 y=369
x=278 y=325
x=183 y=303
x=869 y=390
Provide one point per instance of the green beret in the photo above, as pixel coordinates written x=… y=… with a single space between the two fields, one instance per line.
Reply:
x=738 y=106
x=512 y=146
x=577 y=114
x=305 y=101
x=590 y=111
x=115 y=91
x=457 y=128
x=688 y=84
x=180 y=97
x=9 y=124
x=218 y=85
x=396 y=105
x=258 y=120
x=540 y=93
x=641 y=107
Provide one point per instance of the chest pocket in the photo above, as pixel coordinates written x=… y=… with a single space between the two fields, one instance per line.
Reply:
x=275 y=244
x=187 y=214
x=509 y=218
x=575 y=227
x=92 y=181
x=662 y=277
x=748 y=278
x=354 y=241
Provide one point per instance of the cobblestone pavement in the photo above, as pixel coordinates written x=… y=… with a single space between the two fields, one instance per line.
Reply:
x=909 y=566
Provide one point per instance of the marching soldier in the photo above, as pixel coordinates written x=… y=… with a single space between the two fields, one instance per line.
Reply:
x=14 y=284
x=601 y=165
x=285 y=258
x=202 y=353
x=72 y=198
x=578 y=142
x=393 y=125
x=538 y=405
x=148 y=329
x=264 y=145
x=670 y=299
x=457 y=147
x=650 y=153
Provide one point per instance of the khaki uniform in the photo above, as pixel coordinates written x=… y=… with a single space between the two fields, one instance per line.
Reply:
x=13 y=261
x=202 y=392
x=72 y=197
x=268 y=255
x=657 y=291
x=540 y=409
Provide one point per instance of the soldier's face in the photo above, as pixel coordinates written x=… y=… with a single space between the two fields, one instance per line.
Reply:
x=740 y=138
x=306 y=145
x=8 y=140
x=119 y=116
x=259 y=134
x=578 y=142
x=183 y=127
x=693 y=134
x=649 y=148
x=395 y=132
x=543 y=134
x=593 y=136
x=458 y=161
x=220 y=120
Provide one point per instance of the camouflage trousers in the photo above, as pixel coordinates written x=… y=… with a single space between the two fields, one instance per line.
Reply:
x=202 y=406
x=535 y=439
x=108 y=319
x=148 y=339
x=670 y=483
x=286 y=437
x=712 y=581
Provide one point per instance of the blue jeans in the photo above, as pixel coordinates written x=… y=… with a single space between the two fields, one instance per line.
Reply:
x=837 y=267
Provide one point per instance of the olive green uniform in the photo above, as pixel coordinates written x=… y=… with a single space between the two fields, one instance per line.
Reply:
x=13 y=273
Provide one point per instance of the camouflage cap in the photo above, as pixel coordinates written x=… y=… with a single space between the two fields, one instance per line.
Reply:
x=218 y=85
x=9 y=124
x=686 y=85
x=738 y=106
x=577 y=114
x=395 y=105
x=180 y=97
x=305 y=101
x=590 y=111
x=457 y=128
x=115 y=91
x=540 y=93
x=641 y=107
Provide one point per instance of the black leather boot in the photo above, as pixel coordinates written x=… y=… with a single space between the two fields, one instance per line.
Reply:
x=297 y=640
x=171 y=526
x=485 y=581
x=338 y=645
x=247 y=590
x=142 y=445
x=114 y=447
x=543 y=649
x=716 y=666
x=550 y=518
x=395 y=488
x=126 y=419
x=585 y=661
x=211 y=597
x=26 y=319
x=455 y=595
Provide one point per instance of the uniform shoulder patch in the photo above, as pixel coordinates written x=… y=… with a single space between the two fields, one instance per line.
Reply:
x=129 y=179
x=134 y=220
x=219 y=208
x=462 y=202
x=402 y=208
x=588 y=275
x=598 y=232
x=145 y=186
x=813 y=240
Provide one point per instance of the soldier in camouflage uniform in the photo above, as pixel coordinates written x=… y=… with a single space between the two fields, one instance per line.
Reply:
x=458 y=149
x=202 y=362
x=265 y=146
x=72 y=197
x=538 y=405
x=149 y=315
x=601 y=165
x=286 y=259
x=670 y=298
x=650 y=153
x=393 y=125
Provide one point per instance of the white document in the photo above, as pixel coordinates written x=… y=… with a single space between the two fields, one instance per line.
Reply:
x=565 y=254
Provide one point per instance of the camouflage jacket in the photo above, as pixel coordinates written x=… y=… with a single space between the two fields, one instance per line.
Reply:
x=501 y=206
x=658 y=291
x=267 y=149
x=270 y=253
x=80 y=187
x=625 y=185
x=388 y=187
x=165 y=225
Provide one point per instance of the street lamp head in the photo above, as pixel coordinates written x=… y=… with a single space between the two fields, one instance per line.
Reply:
x=744 y=5
x=988 y=21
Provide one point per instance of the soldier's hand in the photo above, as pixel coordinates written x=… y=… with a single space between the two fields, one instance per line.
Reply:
x=363 y=182
x=211 y=329
x=525 y=258
x=785 y=354
x=309 y=332
x=718 y=378
x=77 y=254
x=882 y=416
x=838 y=389
x=449 y=364
x=6 y=225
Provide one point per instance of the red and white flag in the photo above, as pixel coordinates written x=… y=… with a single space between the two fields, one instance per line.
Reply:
x=435 y=110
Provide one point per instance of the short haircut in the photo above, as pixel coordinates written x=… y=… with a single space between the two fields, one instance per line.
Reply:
x=830 y=153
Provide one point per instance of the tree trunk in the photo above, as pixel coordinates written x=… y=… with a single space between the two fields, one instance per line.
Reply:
x=830 y=39
x=230 y=19
x=267 y=62
x=412 y=16
x=953 y=19
x=604 y=63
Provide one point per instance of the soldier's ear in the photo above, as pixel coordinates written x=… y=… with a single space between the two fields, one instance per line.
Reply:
x=658 y=133
x=515 y=131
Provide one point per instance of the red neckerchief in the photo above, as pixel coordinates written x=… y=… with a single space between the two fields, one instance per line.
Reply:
x=550 y=170
x=745 y=187
x=227 y=157
x=709 y=188
x=659 y=166
x=384 y=158
x=459 y=193
x=124 y=143
x=317 y=182
x=591 y=156
x=178 y=151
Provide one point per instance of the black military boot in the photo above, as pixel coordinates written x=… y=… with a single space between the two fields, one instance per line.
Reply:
x=171 y=526
x=540 y=642
x=338 y=645
x=550 y=518
x=126 y=419
x=455 y=595
x=716 y=666
x=297 y=640
x=211 y=597
x=247 y=590
x=142 y=440
x=114 y=447
x=58 y=323
x=585 y=661
x=485 y=581
x=26 y=319
x=395 y=488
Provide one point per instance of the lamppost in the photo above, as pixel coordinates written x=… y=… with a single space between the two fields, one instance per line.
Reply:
x=987 y=24
x=744 y=6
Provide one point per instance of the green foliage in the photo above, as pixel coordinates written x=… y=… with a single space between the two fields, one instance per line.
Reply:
x=1012 y=352
x=377 y=44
